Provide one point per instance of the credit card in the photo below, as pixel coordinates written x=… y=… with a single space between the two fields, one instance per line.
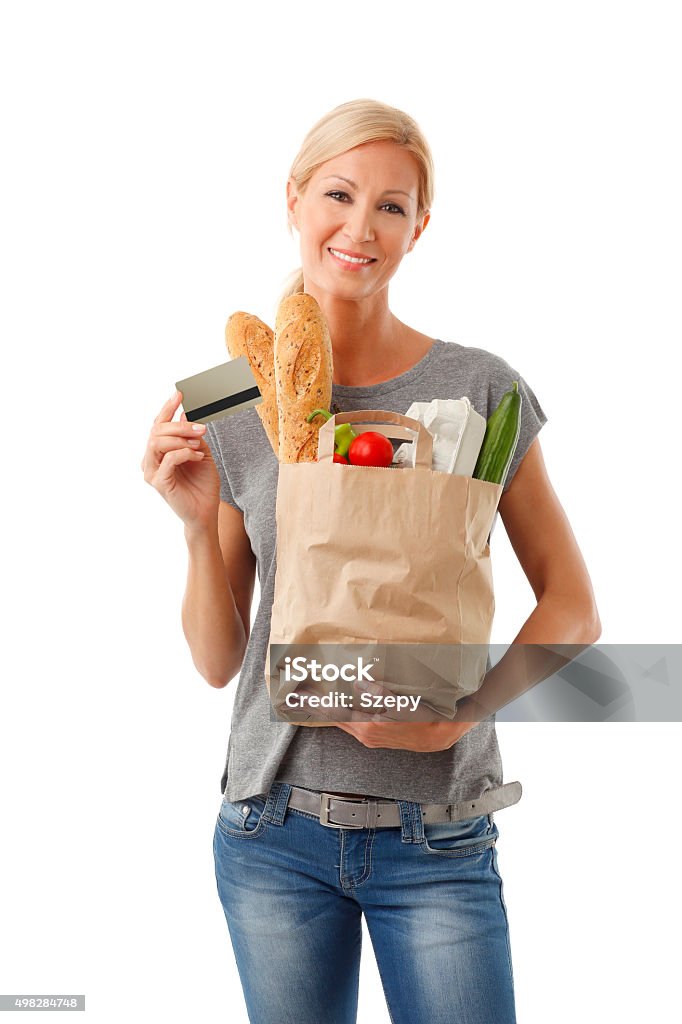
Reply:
x=221 y=391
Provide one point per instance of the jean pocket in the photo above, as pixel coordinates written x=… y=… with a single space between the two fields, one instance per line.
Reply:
x=460 y=838
x=242 y=819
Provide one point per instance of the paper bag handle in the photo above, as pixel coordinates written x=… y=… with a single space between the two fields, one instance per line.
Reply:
x=403 y=426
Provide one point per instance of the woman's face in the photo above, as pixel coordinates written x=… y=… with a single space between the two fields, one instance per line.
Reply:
x=362 y=203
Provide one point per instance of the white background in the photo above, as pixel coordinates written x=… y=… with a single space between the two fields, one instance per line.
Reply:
x=145 y=153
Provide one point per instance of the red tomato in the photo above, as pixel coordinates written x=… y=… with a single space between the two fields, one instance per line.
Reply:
x=370 y=449
x=341 y=459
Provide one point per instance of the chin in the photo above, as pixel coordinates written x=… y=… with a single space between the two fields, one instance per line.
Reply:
x=349 y=291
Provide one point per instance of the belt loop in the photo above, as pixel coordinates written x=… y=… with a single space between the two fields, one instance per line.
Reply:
x=411 y=821
x=276 y=803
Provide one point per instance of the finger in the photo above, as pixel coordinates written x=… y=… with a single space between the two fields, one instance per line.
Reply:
x=372 y=687
x=171 y=444
x=365 y=718
x=160 y=445
x=178 y=429
x=170 y=462
x=373 y=714
x=169 y=408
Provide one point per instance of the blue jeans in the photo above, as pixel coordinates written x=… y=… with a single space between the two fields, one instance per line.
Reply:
x=294 y=891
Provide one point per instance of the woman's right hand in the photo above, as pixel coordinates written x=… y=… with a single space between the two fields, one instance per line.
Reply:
x=179 y=464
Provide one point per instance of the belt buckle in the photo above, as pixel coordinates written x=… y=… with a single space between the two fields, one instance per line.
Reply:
x=324 y=811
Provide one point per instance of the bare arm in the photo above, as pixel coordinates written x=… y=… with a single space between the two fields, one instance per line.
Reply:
x=216 y=608
x=544 y=543
x=565 y=617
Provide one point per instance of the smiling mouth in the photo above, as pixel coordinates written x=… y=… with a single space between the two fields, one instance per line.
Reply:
x=351 y=259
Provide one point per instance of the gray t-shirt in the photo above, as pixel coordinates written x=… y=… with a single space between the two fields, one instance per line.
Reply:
x=261 y=750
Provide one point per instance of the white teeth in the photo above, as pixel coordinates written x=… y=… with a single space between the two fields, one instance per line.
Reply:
x=350 y=259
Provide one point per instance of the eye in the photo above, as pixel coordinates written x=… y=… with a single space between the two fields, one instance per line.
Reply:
x=336 y=192
x=397 y=208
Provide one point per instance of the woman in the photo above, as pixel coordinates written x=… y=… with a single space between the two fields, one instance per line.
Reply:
x=294 y=875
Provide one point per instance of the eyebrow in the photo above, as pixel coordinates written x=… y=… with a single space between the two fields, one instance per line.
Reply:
x=389 y=191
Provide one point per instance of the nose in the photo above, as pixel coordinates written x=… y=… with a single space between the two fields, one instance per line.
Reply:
x=359 y=223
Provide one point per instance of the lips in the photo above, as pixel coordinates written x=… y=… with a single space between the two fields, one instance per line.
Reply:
x=356 y=255
x=353 y=263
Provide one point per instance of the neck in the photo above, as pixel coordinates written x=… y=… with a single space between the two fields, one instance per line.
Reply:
x=367 y=339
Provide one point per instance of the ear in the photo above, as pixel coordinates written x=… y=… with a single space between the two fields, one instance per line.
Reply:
x=419 y=228
x=292 y=198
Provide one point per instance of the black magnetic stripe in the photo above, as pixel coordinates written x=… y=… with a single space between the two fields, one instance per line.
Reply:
x=224 y=403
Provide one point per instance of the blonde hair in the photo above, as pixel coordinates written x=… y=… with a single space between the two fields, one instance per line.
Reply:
x=350 y=125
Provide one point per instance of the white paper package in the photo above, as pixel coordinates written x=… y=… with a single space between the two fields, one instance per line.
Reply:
x=458 y=432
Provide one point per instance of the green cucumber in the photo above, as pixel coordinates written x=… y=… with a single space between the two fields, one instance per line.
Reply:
x=500 y=439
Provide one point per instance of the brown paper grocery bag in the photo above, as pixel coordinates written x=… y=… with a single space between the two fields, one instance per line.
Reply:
x=384 y=555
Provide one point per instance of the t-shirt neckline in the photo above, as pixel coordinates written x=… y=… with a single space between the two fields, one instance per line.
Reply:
x=385 y=386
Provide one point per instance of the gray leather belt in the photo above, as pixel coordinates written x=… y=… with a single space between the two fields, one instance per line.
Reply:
x=366 y=812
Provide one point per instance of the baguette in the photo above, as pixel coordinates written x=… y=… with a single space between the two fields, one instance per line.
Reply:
x=303 y=374
x=246 y=335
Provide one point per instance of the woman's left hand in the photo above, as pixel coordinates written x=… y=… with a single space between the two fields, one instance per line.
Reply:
x=425 y=737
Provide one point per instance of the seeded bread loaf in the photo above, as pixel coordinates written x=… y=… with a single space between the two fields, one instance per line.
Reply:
x=303 y=375
x=246 y=335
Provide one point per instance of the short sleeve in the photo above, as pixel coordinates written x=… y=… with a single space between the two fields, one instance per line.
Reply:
x=533 y=416
x=213 y=442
